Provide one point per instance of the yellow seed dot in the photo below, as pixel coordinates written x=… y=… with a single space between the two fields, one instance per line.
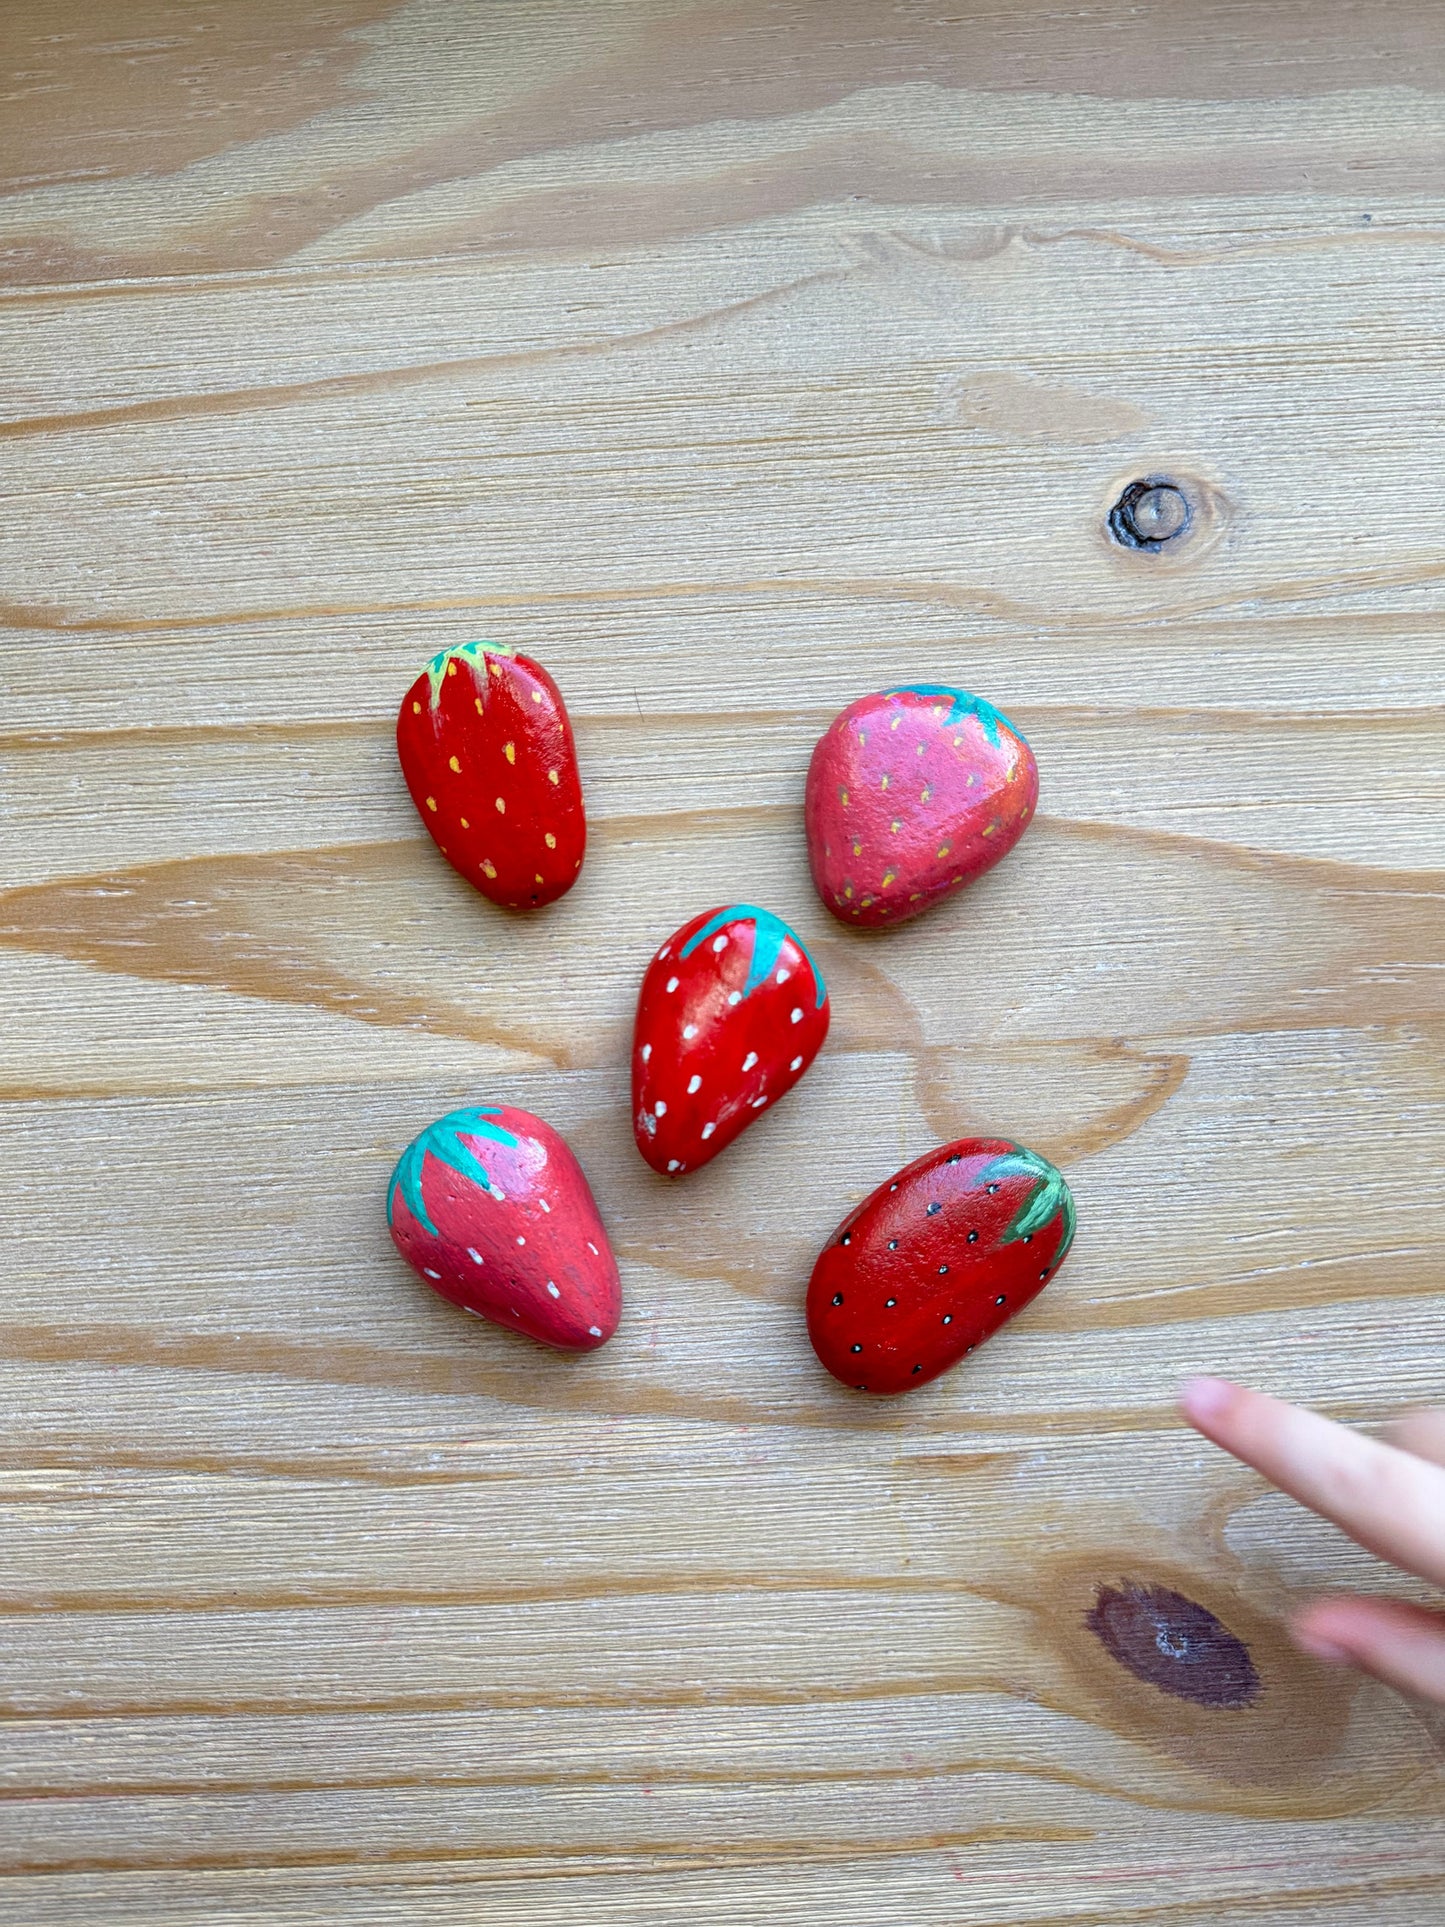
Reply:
x=958 y=742
x=866 y=902
x=537 y=876
x=896 y=721
x=843 y=798
x=553 y=777
x=944 y=848
x=889 y=876
x=895 y=826
x=455 y=767
x=884 y=783
x=431 y=802
x=970 y=783
x=848 y=892
x=501 y=807
x=465 y=824
x=451 y=669
x=989 y=828
x=550 y=840
x=919 y=750
x=509 y=750
x=489 y=867
x=480 y=710
x=536 y=695
x=916 y=897
x=927 y=794
x=862 y=738
x=416 y=709
x=857 y=849
x=495 y=667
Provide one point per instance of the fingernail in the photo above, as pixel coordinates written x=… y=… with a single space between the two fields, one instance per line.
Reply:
x=1203 y=1399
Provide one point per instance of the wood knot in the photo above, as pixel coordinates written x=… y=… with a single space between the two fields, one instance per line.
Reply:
x=1173 y=1643
x=1149 y=513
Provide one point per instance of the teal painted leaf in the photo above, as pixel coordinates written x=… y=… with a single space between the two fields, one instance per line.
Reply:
x=769 y=935
x=444 y=1141
x=961 y=704
x=474 y=653
x=1049 y=1196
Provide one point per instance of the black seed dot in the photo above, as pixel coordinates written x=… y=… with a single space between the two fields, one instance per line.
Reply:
x=892 y=1244
x=860 y=1388
x=933 y=1209
x=847 y=1238
x=973 y=1237
x=1045 y=1272
x=948 y=1318
x=837 y=1297
x=990 y=1188
x=1001 y=1299
x=969 y=1348
x=957 y=1158
x=857 y=1348
x=890 y=1303
x=918 y=1368
x=893 y=1187
x=1028 y=1238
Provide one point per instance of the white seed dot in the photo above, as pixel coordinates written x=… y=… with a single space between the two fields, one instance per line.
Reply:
x=664 y=953
x=689 y=1030
x=693 y=1084
x=475 y=1255
x=735 y=996
x=545 y=1206
x=673 y=1165
x=659 y=1109
x=672 y=983
x=750 y=1060
x=782 y=976
x=796 y=1065
x=719 y=943
x=521 y=1240
x=708 y=1129
x=596 y=1330
x=553 y=1289
x=759 y=1102
x=646 y=1052
x=431 y=1274
x=797 y=1016
x=593 y=1249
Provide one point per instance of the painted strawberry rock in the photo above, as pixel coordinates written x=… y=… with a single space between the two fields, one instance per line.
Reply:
x=731 y=1013
x=912 y=793
x=935 y=1261
x=487 y=753
x=491 y=1207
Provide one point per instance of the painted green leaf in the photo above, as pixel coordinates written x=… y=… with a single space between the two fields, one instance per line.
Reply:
x=1047 y=1198
x=961 y=704
x=444 y=1141
x=474 y=653
x=769 y=935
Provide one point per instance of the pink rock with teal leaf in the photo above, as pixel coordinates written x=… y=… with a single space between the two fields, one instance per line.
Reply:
x=492 y=1209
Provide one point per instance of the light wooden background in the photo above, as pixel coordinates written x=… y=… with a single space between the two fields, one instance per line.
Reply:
x=733 y=359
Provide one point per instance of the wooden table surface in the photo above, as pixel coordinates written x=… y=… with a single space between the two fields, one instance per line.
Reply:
x=733 y=359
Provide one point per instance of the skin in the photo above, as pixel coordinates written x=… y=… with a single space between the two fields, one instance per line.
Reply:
x=1387 y=1494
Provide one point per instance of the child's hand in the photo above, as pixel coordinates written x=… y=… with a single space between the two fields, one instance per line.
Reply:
x=1391 y=1498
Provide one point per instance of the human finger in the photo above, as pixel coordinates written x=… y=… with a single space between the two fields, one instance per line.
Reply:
x=1402 y=1645
x=1389 y=1501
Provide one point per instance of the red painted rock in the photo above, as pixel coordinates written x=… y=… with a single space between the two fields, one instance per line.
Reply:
x=487 y=753
x=491 y=1207
x=913 y=793
x=935 y=1261
x=731 y=1013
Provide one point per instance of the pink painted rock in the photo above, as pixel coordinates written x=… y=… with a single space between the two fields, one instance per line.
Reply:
x=731 y=1013
x=491 y=1207
x=912 y=793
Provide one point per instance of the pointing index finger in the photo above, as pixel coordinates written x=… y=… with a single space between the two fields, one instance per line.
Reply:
x=1390 y=1501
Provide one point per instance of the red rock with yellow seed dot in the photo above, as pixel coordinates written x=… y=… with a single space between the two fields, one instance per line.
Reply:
x=912 y=793
x=487 y=753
